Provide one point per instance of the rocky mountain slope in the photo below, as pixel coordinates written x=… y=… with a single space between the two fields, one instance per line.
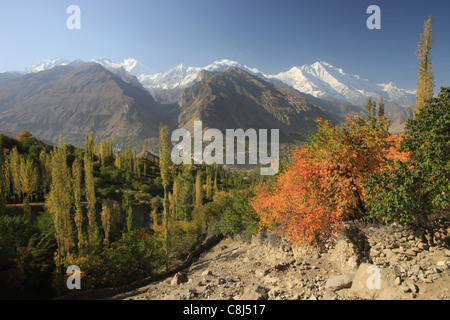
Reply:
x=81 y=98
x=412 y=263
x=75 y=100
x=320 y=79
x=237 y=99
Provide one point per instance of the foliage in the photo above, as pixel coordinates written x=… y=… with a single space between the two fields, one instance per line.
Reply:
x=26 y=262
x=325 y=179
x=238 y=214
x=418 y=186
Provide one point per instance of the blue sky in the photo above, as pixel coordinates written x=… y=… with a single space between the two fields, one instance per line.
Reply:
x=270 y=35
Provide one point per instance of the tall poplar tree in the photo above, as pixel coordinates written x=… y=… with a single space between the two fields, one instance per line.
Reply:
x=198 y=190
x=425 y=83
x=381 y=108
x=14 y=167
x=2 y=180
x=369 y=107
x=374 y=111
x=91 y=199
x=59 y=202
x=164 y=163
x=76 y=184
x=90 y=146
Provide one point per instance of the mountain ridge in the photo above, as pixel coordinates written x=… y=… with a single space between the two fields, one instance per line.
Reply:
x=238 y=99
x=74 y=100
x=320 y=79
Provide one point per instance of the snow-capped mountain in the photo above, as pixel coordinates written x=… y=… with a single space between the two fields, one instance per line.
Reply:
x=129 y=65
x=45 y=65
x=183 y=76
x=322 y=80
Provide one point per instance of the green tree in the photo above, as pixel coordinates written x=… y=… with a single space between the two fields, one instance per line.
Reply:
x=164 y=163
x=2 y=180
x=128 y=210
x=92 y=200
x=184 y=193
x=198 y=190
x=29 y=177
x=76 y=184
x=90 y=146
x=209 y=187
x=374 y=111
x=369 y=107
x=14 y=167
x=59 y=203
x=420 y=186
x=381 y=108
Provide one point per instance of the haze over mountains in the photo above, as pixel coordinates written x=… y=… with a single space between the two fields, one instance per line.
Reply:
x=124 y=100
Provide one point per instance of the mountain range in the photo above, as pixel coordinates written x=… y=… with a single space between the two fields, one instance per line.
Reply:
x=320 y=79
x=74 y=100
x=125 y=100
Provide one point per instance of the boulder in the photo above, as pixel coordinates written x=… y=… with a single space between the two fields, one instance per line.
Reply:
x=339 y=282
x=377 y=283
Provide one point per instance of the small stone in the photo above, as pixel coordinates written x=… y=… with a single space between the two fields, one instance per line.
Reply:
x=254 y=292
x=441 y=263
x=397 y=281
x=416 y=269
x=179 y=278
x=207 y=272
x=414 y=288
x=339 y=282
x=426 y=280
x=405 y=289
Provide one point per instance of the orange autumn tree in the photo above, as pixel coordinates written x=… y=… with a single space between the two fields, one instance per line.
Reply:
x=23 y=134
x=324 y=182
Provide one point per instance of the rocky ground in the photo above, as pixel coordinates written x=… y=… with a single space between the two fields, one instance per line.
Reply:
x=364 y=262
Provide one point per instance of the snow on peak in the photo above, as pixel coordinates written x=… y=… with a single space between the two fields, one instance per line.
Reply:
x=181 y=76
x=45 y=65
x=320 y=79
x=323 y=80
